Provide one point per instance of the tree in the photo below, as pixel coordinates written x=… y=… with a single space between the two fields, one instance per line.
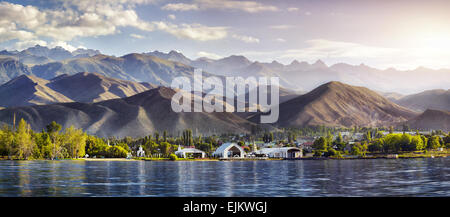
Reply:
x=206 y=147
x=6 y=141
x=191 y=139
x=173 y=157
x=376 y=146
x=124 y=146
x=405 y=142
x=417 y=143
x=53 y=127
x=359 y=149
x=392 y=143
x=45 y=145
x=23 y=142
x=339 y=142
x=367 y=136
x=165 y=136
x=74 y=142
x=447 y=140
x=320 y=145
x=329 y=138
x=53 y=130
x=165 y=148
x=156 y=137
x=434 y=143
x=405 y=128
x=116 y=152
x=96 y=147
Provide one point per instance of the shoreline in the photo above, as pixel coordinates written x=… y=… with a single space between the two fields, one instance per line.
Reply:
x=444 y=155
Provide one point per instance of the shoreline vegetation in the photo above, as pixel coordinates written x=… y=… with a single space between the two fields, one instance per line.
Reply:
x=318 y=143
x=407 y=155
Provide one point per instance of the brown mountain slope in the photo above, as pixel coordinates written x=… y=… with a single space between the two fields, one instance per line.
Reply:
x=81 y=87
x=93 y=87
x=431 y=120
x=138 y=115
x=338 y=104
x=29 y=90
x=431 y=99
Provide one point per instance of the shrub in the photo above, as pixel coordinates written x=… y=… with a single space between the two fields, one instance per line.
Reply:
x=330 y=152
x=173 y=157
x=116 y=152
x=317 y=153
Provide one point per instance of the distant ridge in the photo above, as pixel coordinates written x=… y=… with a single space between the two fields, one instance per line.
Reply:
x=29 y=90
x=81 y=87
x=338 y=104
x=438 y=99
x=138 y=115
x=160 y=68
x=431 y=120
x=93 y=87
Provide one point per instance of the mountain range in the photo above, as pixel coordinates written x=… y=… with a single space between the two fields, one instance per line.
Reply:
x=431 y=99
x=338 y=104
x=430 y=119
x=41 y=54
x=138 y=115
x=331 y=104
x=119 y=96
x=160 y=68
x=81 y=87
x=304 y=76
x=132 y=67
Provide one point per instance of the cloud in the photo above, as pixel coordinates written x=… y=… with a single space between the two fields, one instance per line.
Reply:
x=192 y=31
x=247 y=6
x=75 y=19
x=338 y=51
x=280 y=40
x=10 y=32
x=180 y=7
x=21 y=45
x=171 y=16
x=137 y=36
x=246 y=39
x=292 y=9
x=68 y=20
x=307 y=13
x=208 y=55
x=64 y=45
x=284 y=26
x=320 y=48
x=16 y=19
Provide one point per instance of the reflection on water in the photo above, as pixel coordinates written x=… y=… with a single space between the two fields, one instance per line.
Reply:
x=389 y=177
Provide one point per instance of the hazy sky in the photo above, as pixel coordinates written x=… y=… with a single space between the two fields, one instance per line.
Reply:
x=400 y=34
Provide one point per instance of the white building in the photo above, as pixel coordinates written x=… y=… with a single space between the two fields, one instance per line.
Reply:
x=190 y=152
x=284 y=152
x=229 y=150
x=140 y=152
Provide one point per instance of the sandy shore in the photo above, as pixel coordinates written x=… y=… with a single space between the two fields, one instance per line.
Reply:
x=106 y=159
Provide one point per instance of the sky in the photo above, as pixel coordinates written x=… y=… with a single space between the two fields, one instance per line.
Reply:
x=382 y=34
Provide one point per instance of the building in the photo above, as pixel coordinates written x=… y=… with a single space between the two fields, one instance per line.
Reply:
x=190 y=153
x=284 y=152
x=229 y=150
x=140 y=152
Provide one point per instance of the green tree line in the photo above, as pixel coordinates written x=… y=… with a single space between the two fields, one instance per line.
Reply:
x=391 y=143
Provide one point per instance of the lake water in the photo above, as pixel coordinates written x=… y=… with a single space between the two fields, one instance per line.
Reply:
x=378 y=177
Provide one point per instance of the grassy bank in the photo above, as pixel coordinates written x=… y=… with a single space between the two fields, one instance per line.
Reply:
x=178 y=159
x=401 y=155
